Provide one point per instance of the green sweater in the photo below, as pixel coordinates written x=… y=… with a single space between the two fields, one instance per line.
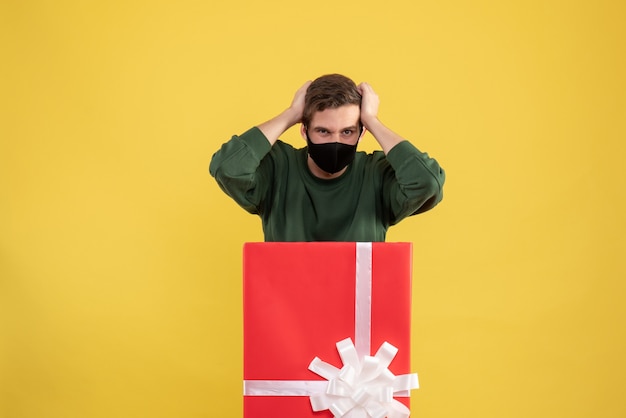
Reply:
x=294 y=205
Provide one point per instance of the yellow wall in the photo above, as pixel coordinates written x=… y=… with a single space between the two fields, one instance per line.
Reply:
x=120 y=277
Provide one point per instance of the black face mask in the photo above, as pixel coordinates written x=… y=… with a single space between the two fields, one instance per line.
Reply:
x=331 y=157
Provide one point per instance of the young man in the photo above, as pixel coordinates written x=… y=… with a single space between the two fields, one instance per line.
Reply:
x=327 y=191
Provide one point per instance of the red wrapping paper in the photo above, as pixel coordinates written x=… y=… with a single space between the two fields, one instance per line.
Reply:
x=299 y=300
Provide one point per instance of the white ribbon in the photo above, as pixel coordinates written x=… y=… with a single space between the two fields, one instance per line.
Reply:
x=364 y=387
x=363 y=299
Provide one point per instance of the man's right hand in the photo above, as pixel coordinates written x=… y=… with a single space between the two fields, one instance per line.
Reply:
x=273 y=128
x=297 y=105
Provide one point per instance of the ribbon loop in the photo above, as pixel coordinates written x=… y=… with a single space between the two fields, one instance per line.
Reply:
x=319 y=402
x=342 y=407
x=321 y=368
x=376 y=410
x=348 y=375
x=348 y=353
x=386 y=353
x=369 y=369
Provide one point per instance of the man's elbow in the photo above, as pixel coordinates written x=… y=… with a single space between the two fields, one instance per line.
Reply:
x=433 y=193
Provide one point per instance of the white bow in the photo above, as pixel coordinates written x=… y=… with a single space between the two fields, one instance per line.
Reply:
x=362 y=388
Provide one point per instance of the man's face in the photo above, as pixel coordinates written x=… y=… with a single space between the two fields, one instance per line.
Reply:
x=341 y=124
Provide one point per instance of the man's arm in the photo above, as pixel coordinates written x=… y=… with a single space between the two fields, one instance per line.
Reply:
x=417 y=181
x=237 y=165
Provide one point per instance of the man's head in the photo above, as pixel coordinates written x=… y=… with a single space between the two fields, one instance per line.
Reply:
x=331 y=124
x=329 y=92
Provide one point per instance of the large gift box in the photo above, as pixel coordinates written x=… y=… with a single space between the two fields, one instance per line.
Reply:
x=327 y=329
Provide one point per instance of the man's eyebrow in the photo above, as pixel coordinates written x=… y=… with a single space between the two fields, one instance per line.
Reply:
x=352 y=128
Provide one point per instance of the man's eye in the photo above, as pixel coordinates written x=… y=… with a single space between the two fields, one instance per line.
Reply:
x=347 y=132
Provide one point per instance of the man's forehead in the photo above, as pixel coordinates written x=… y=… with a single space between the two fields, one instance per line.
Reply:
x=343 y=117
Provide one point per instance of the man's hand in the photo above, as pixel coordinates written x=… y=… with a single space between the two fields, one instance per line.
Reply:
x=275 y=127
x=369 y=104
x=297 y=105
x=369 y=117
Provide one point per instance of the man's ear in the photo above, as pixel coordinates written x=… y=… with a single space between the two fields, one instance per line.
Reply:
x=363 y=130
x=303 y=131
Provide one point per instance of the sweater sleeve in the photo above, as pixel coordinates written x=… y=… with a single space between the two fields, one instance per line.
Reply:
x=236 y=167
x=416 y=184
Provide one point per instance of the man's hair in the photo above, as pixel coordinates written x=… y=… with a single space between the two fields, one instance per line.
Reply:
x=328 y=92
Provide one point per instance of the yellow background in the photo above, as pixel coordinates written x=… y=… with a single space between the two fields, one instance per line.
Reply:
x=120 y=259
